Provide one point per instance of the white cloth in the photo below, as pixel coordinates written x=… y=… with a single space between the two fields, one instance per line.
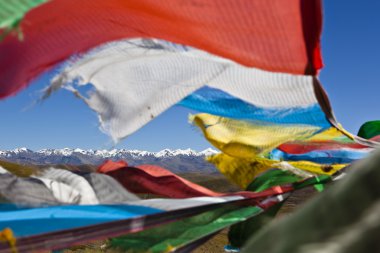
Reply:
x=62 y=192
x=3 y=171
x=76 y=182
x=136 y=80
x=174 y=204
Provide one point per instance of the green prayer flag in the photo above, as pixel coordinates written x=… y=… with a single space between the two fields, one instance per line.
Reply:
x=12 y=12
x=241 y=232
x=180 y=233
x=369 y=129
x=272 y=178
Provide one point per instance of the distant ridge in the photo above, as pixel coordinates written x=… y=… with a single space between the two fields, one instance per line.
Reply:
x=178 y=160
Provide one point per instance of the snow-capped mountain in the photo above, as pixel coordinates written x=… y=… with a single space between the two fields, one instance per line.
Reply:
x=178 y=160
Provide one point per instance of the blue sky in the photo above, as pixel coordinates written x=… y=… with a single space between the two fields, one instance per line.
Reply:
x=350 y=47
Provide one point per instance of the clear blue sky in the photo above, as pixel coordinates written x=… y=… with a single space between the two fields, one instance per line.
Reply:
x=350 y=47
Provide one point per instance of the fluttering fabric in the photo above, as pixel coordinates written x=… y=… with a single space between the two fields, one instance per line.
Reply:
x=217 y=102
x=134 y=223
x=281 y=36
x=327 y=147
x=342 y=230
x=107 y=190
x=242 y=171
x=329 y=139
x=173 y=235
x=250 y=148
x=214 y=213
x=176 y=234
x=140 y=66
x=75 y=182
x=62 y=192
x=149 y=76
x=2 y=170
x=263 y=105
x=156 y=180
x=240 y=233
x=341 y=156
x=370 y=129
x=272 y=178
x=56 y=187
x=340 y=150
x=133 y=210
x=29 y=223
x=246 y=139
x=34 y=221
x=25 y=191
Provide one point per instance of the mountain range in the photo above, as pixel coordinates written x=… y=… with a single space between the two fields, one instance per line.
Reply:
x=177 y=161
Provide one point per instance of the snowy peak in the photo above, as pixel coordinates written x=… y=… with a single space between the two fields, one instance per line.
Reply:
x=110 y=153
x=20 y=150
x=208 y=152
x=186 y=152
